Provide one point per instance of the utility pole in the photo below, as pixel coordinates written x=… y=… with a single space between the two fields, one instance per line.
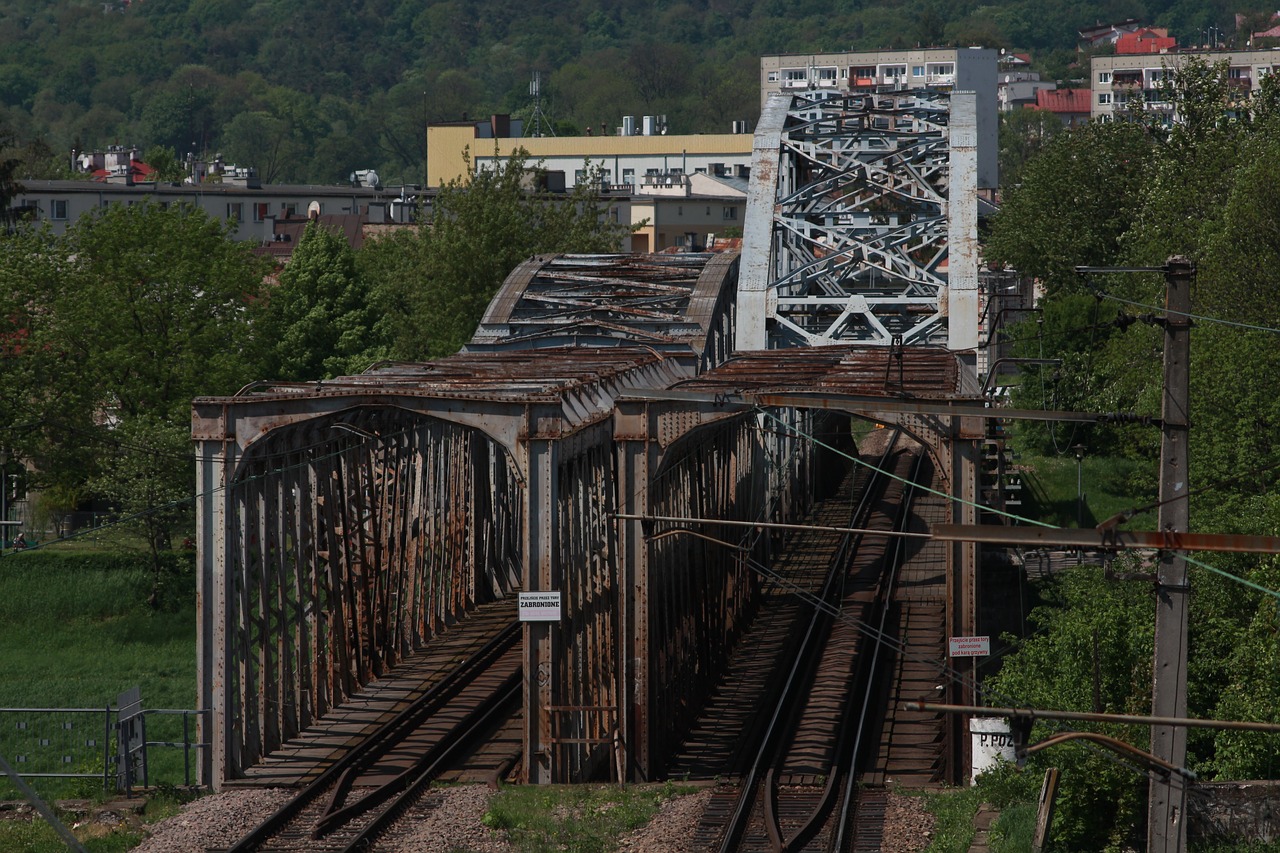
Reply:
x=1167 y=803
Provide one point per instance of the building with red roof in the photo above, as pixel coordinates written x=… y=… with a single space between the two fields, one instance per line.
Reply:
x=1145 y=40
x=1072 y=106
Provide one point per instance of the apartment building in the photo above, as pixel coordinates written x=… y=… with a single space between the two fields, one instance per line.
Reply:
x=1116 y=80
x=256 y=208
x=678 y=192
x=625 y=154
x=971 y=69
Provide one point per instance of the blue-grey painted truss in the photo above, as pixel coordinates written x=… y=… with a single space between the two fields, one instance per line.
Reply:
x=861 y=221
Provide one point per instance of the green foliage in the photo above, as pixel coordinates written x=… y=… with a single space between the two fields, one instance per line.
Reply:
x=150 y=478
x=1076 y=199
x=319 y=320
x=953 y=811
x=1091 y=650
x=362 y=79
x=166 y=163
x=583 y=818
x=435 y=287
x=1023 y=134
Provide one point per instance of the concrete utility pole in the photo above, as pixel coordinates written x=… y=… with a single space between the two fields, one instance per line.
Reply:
x=1167 y=804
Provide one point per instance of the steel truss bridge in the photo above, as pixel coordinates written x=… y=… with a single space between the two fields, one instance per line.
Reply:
x=345 y=524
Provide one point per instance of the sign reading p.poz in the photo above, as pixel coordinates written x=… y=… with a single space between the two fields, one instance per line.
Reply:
x=970 y=647
x=540 y=607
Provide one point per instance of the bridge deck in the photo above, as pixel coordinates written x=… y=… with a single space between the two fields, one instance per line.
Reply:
x=307 y=756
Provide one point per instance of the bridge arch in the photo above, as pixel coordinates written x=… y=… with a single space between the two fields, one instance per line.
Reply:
x=349 y=539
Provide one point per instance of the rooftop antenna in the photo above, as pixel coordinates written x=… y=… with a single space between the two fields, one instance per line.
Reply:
x=541 y=123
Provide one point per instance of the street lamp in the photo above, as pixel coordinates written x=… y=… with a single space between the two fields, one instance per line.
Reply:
x=1079 y=451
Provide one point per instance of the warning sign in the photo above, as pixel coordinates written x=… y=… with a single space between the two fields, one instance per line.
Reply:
x=539 y=606
x=970 y=647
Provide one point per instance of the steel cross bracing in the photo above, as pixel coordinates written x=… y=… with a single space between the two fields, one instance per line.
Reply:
x=674 y=303
x=864 y=189
x=345 y=524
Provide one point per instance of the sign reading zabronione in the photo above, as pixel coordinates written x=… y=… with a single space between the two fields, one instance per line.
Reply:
x=970 y=647
x=540 y=606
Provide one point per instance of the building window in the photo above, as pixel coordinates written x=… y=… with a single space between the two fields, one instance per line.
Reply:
x=235 y=210
x=1104 y=76
x=731 y=213
x=1104 y=98
x=917 y=71
x=58 y=208
x=894 y=72
x=289 y=208
x=629 y=176
x=827 y=76
x=773 y=76
x=260 y=211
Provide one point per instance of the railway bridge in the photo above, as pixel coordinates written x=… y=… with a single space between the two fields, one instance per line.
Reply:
x=605 y=405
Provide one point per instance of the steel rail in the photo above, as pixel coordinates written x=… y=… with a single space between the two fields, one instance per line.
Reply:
x=786 y=701
x=377 y=743
x=410 y=783
x=894 y=557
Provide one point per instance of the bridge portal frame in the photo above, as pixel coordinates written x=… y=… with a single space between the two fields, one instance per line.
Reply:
x=862 y=220
x=546 y=431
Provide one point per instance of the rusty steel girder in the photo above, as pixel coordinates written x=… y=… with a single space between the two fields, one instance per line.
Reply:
x=353 y=539
x=344 y=523
x=673 y=303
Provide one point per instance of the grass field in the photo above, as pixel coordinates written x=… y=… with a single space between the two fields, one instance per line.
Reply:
x=76 y=630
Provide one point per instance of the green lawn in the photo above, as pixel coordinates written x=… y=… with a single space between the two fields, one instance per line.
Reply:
x=1052 y=485
x=76 y=630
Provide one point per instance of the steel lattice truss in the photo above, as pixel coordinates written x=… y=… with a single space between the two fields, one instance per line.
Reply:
x=861 y=219
x=674 y=303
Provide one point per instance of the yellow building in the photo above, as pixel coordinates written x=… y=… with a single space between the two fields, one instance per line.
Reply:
x=681 y=191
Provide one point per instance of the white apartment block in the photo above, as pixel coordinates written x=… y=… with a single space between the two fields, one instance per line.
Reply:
x=1114 y=81
x=968 y=69
x=971 y=69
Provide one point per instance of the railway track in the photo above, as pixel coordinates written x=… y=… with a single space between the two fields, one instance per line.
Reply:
x=827 y=717
x=445 y=733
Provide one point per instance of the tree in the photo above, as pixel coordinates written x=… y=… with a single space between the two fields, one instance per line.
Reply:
x=128 y=317
x=1091 y=650
x=319 y=319
x=166 y=163
x=260 y=140
x=1023 y=134
x=137 y=477
x=480 y=230
x=1075 y=202
x=1201 y=192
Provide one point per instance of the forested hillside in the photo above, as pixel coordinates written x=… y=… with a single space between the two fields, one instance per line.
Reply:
x=310 y=90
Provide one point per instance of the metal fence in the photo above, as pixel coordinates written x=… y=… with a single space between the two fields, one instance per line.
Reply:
x=123 y=746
